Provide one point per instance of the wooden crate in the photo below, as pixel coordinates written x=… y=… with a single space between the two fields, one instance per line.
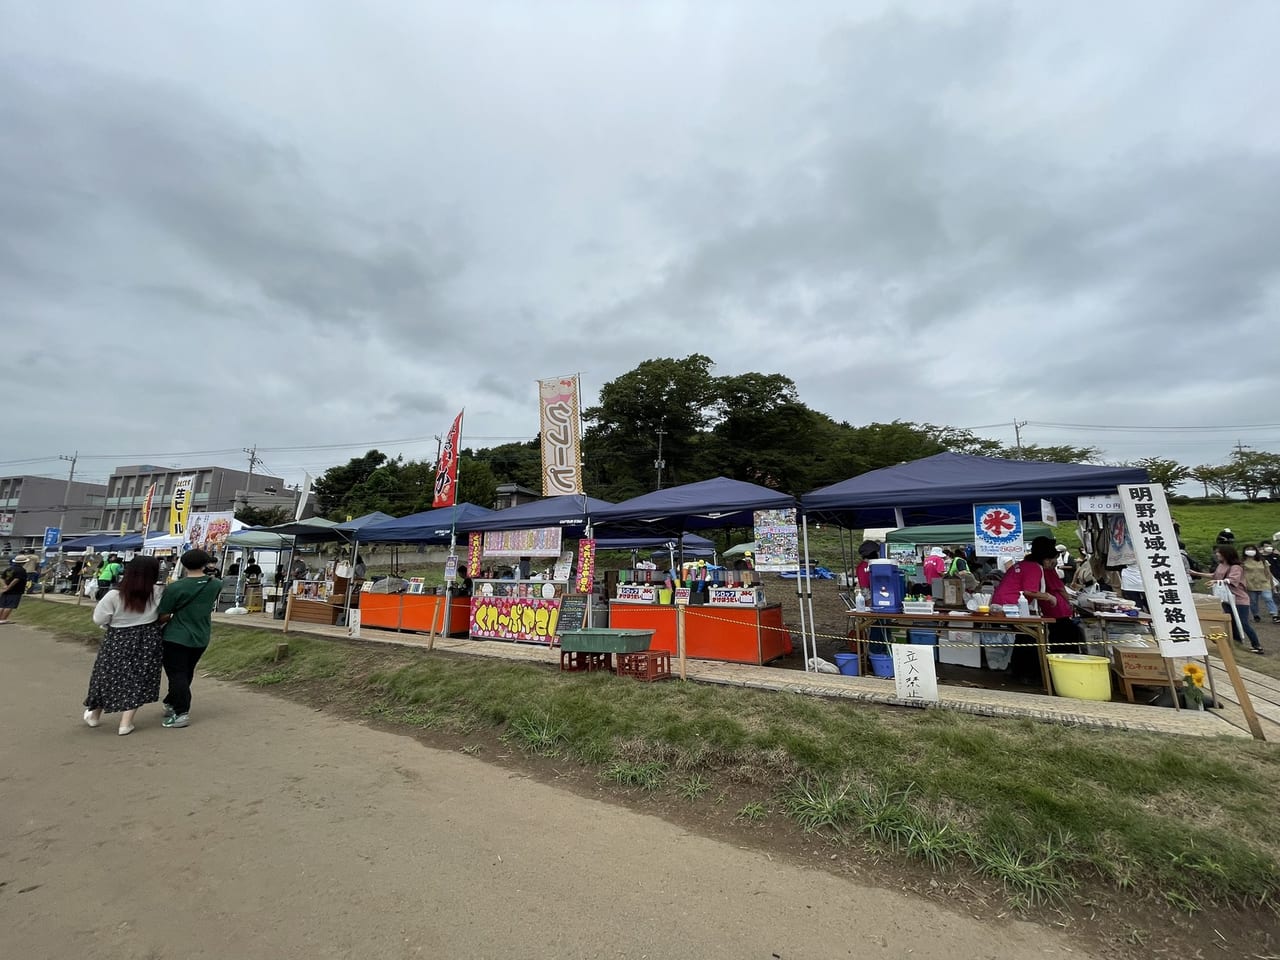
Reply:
x=645 y=665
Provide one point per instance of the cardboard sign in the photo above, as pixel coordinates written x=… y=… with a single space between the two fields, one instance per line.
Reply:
x=451 y=568
x=637 y=593
x=914 y=672
x=682 y=596
x=1048 y=513
x=1173 y=609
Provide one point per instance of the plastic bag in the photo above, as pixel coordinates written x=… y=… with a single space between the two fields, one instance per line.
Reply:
x=1222 y=591
x=818 y=665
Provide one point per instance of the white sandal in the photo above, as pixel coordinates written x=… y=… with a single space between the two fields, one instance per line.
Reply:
x=90 y=719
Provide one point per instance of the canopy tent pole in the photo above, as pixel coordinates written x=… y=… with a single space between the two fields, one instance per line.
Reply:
x=448 y=584
x=804 y=636
x=809 y=585
x=351 y=580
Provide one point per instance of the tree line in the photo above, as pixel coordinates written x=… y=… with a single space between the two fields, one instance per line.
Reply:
x=672 y=421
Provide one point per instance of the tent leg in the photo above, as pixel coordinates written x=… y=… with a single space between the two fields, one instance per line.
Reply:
x=804 y=634
x=813 y=627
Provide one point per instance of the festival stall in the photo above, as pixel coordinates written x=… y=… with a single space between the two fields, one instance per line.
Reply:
x=406 y=605
x=955 y=488
x=727 y=616
x=528 y=605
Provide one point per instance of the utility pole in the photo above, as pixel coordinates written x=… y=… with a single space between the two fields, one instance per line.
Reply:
x=253 y=462
x=1017 y=434
x=62 y=519
x=660 y=463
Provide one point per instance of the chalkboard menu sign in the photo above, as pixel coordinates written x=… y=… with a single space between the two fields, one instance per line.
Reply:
x=573 y=612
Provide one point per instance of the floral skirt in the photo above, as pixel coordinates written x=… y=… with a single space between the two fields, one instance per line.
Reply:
x=127 y=672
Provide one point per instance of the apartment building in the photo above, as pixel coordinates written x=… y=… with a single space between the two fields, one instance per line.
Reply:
x=215 y=489
x=29 y=504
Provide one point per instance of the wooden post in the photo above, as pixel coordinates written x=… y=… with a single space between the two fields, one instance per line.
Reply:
x=1173 y=683
x=435 y=618
x=288 y=610
x=680 y=640
x=1233 y=671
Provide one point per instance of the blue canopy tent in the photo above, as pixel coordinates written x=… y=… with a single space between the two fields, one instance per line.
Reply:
x=704 y=505
x=572 y=511
x=430 y=526
x=95 y=540
x=943 y=489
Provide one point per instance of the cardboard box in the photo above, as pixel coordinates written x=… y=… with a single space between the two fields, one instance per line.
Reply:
x=1140 y=663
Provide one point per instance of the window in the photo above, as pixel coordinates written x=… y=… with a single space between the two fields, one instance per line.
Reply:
x=129 y=487
x=207 y=485
x=111 y=519
x=88 y=523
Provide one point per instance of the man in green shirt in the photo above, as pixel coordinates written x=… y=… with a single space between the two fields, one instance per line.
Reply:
x=108 y=574
x=185 y=613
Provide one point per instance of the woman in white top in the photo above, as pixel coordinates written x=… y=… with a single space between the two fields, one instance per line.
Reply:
x=126 y=673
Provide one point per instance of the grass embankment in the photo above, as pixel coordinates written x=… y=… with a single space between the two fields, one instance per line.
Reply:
x=1044 y=810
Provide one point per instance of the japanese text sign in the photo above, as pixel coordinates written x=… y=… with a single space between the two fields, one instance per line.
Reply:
x=914 y=672
x=997 y=530
x=586 y=566
x=1173 y=610
x=475 y=551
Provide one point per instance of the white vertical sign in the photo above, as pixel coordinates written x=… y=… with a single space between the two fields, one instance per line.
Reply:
x=914 y=672
x=1048 y=513
x=1173 y=610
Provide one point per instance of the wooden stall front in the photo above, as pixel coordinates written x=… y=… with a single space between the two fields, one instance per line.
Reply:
x=414 y=611
x=728 y=633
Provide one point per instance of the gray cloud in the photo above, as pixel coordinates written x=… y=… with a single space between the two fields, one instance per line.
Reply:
x=346 y=231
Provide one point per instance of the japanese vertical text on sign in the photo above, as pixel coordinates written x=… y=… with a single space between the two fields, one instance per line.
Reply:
x=914 y=673
x=446 y=489
x=180 y=506
x=52 y=537
x=1173 y=610
x=777 y=540
x=997 y=530
x=586 y=566
x=475 y=551
x=561 y=441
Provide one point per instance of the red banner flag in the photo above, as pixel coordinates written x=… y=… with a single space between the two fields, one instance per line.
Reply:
x=446 y=492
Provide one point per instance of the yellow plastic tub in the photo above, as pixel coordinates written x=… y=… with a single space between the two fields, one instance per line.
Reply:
x=1079 y=676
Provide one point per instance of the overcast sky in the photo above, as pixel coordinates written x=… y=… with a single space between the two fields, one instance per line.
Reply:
x=305 y=224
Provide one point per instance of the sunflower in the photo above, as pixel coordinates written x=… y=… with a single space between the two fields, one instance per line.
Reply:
x=1193 y=673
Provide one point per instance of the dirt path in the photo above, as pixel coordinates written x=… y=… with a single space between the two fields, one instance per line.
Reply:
x=269 y=830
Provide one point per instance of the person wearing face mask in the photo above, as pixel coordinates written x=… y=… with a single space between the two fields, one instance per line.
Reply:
x=1228 y=569
x=1257 y=581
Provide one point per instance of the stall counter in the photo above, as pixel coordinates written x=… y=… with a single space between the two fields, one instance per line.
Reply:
x=727 y=633
x=414 y=611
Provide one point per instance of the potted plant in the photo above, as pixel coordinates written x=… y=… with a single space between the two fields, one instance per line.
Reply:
x=1193 y=686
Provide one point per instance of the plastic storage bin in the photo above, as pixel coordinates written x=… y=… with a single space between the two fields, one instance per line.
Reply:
x=1080 y=676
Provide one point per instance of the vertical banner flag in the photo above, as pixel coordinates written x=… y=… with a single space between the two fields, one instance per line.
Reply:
x=997 y=530
x=561 y=442
x=586 y=566
x=475 y=551
x=180 y=506
x=146 y=510
x=303 y=495
x=446 y=492
x=1168 y=589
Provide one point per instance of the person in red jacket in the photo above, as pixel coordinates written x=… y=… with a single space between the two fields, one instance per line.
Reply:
x=1036 y=578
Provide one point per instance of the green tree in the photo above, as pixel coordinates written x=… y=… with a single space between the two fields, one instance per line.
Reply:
x=1063 y=453
x=334 y=486
x=263 y=517
x=515 y=463
x=1167 y=473
x=676 y=397
x=1220 y=479
x=1255 y=472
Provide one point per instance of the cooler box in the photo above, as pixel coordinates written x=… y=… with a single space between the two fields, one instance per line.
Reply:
x=887 y=586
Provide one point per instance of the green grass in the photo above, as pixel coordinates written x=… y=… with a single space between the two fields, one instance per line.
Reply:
x=1037 y=807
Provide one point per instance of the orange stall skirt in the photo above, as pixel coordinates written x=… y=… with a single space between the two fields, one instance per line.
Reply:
x=414 y=611
x=732 y=634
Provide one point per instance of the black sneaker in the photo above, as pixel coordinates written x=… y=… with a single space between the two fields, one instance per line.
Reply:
x=1275 y=619
x=1258 y=651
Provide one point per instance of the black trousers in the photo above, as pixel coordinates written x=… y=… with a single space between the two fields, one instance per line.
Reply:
x=180 y=667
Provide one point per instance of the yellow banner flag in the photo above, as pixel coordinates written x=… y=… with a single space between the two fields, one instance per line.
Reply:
x=180 y=506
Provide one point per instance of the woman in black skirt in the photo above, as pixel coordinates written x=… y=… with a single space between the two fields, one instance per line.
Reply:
x=126 y=673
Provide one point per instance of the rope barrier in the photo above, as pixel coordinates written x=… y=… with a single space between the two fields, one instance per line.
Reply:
x=994 y=628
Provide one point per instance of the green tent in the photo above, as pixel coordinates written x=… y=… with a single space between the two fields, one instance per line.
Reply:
x=956 y=533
